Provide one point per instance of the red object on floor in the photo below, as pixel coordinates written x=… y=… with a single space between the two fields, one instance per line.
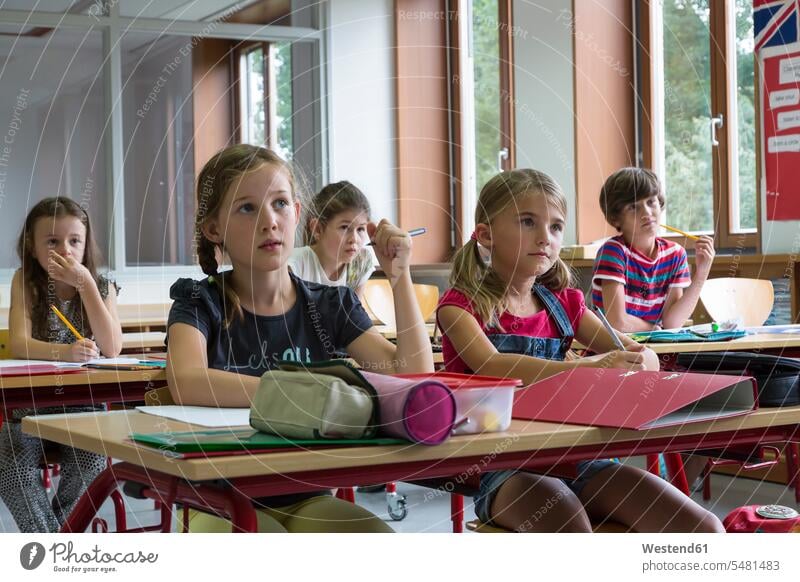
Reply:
x=749 y=519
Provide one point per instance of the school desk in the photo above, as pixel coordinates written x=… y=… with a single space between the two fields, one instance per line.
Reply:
x=143 y=317
x=779 y=344
x=84 y=387
x=227 y=484
x=131 y=317
x=787 y=344
x=390 y=332
x=142 y=341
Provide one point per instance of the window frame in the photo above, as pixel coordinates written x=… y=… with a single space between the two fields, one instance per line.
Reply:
x=462 y=89
x=241 y=51
x=723 y=102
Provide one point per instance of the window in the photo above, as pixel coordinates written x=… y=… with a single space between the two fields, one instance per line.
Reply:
x=51 y=128
x=123 y=104
x=703 y=122
x=159 y=172
x=252 y=95
x=486 y=96
x=489 y=153
x=265 y=96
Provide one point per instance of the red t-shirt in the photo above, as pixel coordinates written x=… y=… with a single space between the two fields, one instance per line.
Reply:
x=539 y=324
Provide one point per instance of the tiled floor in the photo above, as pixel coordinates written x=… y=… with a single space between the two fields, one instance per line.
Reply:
x=429 y=510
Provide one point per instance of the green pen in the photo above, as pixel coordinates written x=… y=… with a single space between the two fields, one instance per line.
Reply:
x=714 y=327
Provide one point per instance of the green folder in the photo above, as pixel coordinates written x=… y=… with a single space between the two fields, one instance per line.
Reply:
x=244 y=439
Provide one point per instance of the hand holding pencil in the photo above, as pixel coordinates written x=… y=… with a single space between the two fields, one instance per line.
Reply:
x=704 y=251
x=83 y=349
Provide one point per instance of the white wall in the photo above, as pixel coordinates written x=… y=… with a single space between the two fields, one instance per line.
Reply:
x=361 y=100
x=544 y=105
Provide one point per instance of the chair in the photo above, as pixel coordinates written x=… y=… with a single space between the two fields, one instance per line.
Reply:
x=729 y=298
x=5 y=345
x=379 y=300
x=158 y=397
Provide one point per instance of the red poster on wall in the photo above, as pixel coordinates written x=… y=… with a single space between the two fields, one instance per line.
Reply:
x=780 y=146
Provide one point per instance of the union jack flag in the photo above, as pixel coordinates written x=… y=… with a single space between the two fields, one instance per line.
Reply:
x=775 y=22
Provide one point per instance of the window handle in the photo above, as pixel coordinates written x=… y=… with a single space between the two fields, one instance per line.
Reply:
x=502 y=155
x=716 y=122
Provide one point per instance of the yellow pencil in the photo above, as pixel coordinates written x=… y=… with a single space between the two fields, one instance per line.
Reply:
x=679 y=231
x=66 y=322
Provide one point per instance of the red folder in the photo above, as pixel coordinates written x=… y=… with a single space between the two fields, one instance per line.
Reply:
x=636 y=400
x=37 y=370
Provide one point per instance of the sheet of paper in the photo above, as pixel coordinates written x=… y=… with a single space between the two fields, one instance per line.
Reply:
x=201 y=415
x=784 y=98
x=789 y=71
x=9 y=363
x=775 y=329
x=111 y=361
x=783 y=143
x=788 y=119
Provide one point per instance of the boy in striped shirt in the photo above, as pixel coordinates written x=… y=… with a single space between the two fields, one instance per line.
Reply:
x=640 y=280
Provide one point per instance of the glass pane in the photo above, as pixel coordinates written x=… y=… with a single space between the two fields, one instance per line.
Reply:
x=687 y=106
x=158 y=124
x=286 y=13
x=486 y=58
x=252 y=96
x=57 y=6
x=282 y=69
x=52 y=114
x=745 y=209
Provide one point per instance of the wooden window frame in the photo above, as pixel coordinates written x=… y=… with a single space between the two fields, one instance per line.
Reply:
x=239 y=51
x=722 y=103
x=505 y=21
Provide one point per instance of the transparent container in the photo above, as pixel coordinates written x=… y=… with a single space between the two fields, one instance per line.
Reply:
x=483 y=403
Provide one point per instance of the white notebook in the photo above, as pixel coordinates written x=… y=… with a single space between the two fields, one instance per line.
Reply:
x=209 y=416
x=9 y=363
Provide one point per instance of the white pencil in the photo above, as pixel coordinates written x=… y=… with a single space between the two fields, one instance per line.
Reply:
x=610 y=329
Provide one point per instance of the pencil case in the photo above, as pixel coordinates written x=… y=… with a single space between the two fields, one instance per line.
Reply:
x=421 y=411
x=686 y=335
x=778 y=378
x=308 y=405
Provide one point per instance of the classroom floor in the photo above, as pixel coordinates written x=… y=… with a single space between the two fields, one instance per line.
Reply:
x=429 y=511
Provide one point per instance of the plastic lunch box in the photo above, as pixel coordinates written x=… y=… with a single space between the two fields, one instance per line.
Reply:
x=483 y=403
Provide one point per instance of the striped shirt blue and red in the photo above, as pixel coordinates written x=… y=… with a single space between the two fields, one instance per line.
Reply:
x=647 y=281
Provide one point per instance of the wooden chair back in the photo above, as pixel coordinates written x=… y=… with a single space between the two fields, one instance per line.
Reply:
x=728 y=298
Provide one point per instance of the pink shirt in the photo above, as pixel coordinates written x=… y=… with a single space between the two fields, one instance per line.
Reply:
x=540 y=324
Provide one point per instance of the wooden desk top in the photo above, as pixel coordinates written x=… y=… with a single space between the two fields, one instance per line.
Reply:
x=84 y=377
x=390 y=333
x=750 y=342
x=129 y=315
x=143 y=340
x=106 y=433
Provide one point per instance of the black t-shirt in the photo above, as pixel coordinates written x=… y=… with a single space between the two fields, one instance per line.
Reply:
x=322 y=322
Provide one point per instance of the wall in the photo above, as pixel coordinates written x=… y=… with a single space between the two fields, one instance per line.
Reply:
x=361 y=100
x=544 y=95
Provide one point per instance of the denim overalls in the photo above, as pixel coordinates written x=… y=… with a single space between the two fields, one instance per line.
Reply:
x=548 y=349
